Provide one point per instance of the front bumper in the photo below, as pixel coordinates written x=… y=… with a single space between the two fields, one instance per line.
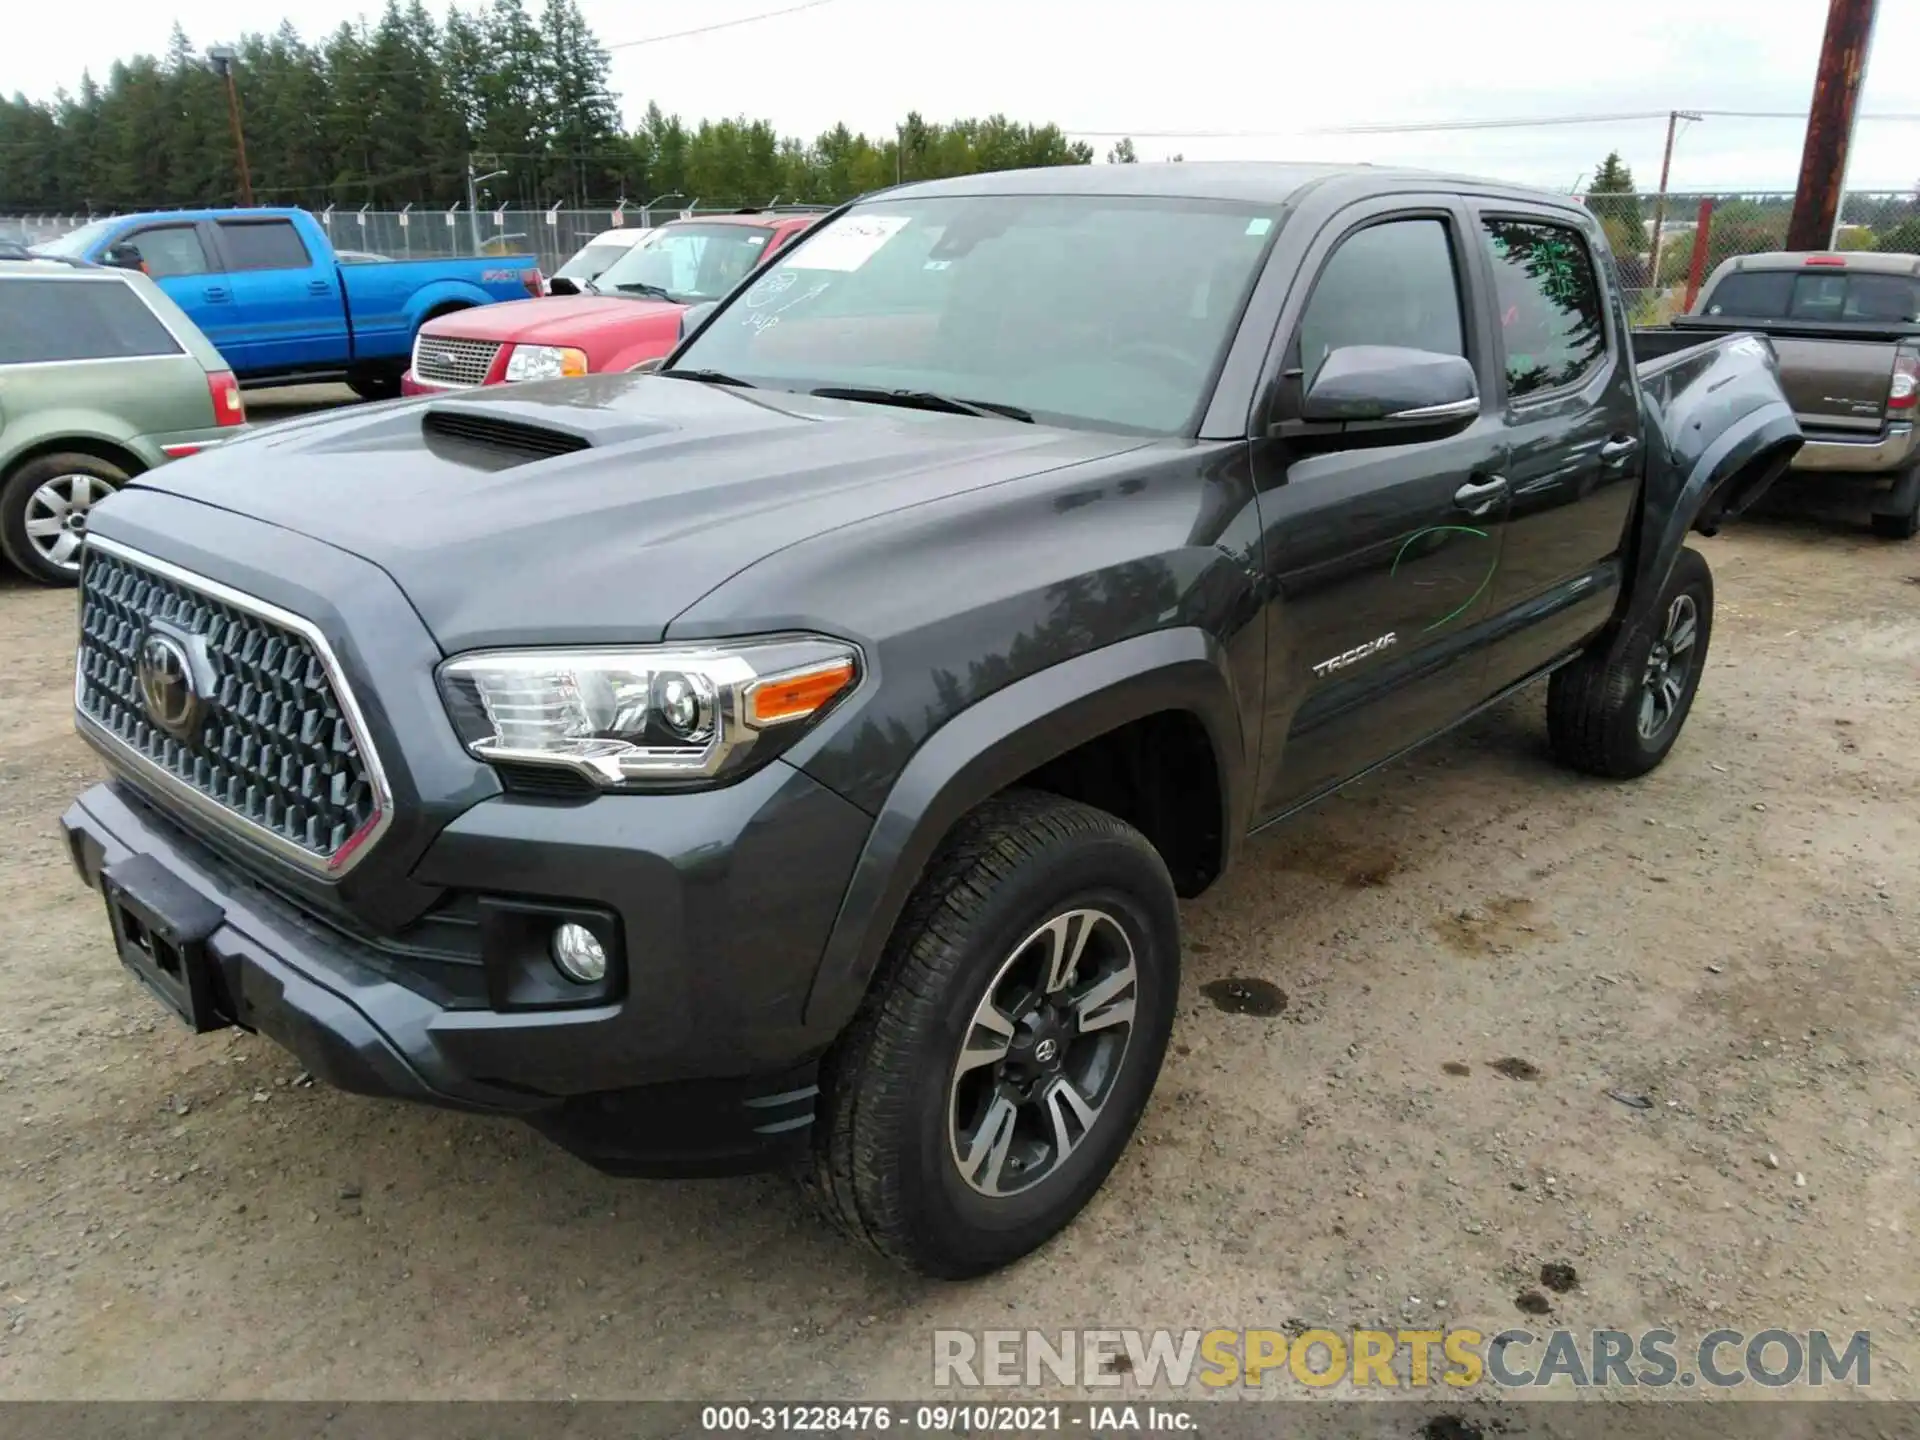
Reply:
x=660 y=1080
x=1889 y=451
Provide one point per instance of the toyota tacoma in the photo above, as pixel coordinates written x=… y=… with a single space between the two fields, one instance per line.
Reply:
x=795 y=754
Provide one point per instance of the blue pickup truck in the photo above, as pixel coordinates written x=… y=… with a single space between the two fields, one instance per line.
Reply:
x=267 y=289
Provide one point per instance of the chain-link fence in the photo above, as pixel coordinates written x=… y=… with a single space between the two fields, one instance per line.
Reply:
x=424 y=234
x=1691 y=232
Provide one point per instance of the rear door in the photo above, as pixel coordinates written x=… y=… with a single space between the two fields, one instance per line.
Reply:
x=1572 y=409
x=291 y=315
x=185 y=259
x=1379 y=550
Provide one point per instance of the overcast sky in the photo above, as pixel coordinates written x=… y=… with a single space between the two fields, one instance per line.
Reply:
x=1269 y=72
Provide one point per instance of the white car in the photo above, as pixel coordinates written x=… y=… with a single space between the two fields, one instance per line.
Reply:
x=597 y=254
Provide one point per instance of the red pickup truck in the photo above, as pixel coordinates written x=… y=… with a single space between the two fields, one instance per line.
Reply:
x=629 y=313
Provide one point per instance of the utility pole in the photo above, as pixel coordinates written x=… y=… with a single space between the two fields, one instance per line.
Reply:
x=1674 y=117
x=1830 y=123
x=222 y=57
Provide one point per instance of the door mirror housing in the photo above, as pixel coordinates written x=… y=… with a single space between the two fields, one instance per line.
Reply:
x=694 y=316
x=562 y=285
x=125 y=255
x=1391 y=385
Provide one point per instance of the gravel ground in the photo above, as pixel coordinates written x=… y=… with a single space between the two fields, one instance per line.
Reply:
x=1472 y=950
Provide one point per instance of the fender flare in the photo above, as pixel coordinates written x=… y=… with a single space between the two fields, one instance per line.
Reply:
x=988 y=746
x=1733 y=472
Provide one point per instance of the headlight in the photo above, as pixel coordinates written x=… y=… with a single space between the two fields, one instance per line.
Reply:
x=545 y=362
x=647 y=713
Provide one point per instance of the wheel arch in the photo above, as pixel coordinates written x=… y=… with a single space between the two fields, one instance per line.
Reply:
x=1052 y=730
x=99 y=447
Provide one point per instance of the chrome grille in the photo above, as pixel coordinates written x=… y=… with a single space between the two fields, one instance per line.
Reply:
x=442 y=361
x=277 y=745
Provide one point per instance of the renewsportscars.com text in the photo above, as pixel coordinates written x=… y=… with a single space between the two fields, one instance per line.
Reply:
x=1415 y=1359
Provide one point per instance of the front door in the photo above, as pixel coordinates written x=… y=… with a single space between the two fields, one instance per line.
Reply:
x=180 y=255
x=292 y=316
x=1380 y=549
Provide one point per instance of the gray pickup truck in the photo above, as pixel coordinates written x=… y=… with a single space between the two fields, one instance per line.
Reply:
x=1847 y=330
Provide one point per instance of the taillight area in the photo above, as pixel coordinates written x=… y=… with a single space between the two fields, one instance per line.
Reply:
x=535 y=282
x=1905 y=388
x=228 y=408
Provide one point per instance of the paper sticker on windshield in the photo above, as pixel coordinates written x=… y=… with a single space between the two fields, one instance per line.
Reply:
x=848 y=243
x=1259 y=226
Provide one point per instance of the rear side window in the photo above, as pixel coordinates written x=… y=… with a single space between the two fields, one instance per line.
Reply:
x=1815 y=295
x=1390 y=284
x=48 y=320
x=171 y=250
x=1553 y=322
x=264 y=245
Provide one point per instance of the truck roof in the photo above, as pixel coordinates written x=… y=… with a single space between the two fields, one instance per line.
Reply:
x=1871 y=261
x=1257 y=182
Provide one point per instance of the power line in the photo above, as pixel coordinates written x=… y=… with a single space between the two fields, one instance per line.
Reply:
x=1425 y=126
x=721 y=25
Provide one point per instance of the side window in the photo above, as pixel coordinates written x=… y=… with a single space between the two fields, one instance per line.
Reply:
x=1390 y=284
x=1552 y=320
x=264 y=245
x=48 y=320
x=171 y=250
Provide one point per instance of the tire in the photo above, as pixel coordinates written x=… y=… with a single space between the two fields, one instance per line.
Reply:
x=1597 y=704
x=893 y=1127
x=60 y=489
x=374 y=384
x=1901 y=519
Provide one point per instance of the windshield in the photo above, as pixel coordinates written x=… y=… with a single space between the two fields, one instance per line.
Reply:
x=592 y=260
x=1104 y=311
x=75 y=243
x=687 y=262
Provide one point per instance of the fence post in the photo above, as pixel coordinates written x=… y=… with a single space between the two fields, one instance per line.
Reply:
x=1697 y=267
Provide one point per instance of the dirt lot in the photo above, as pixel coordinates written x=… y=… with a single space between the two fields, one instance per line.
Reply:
x=1733 y=939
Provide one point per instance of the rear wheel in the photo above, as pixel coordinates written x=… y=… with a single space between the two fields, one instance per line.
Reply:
x=1898 y=515
x=1009 y=1042
x=374 y=384
x=1616 y=711
x=44 y=507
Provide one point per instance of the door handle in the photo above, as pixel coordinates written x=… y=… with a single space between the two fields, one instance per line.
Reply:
x=319 y=287
x=1618 y=449
x=1479 y=499
x=216 y=294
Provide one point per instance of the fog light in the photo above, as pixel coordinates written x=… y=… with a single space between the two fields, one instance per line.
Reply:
x=578 y=954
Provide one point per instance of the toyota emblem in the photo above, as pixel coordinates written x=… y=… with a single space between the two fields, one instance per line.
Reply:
x=1046 y=1050
x=167 y=687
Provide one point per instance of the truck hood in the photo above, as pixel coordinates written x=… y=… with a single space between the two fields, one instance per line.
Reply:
x=582 y=320
x=670 y=488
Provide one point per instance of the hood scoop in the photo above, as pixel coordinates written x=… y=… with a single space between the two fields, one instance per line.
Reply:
x=494 y=442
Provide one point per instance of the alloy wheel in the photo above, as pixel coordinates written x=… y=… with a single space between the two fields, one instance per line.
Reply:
x=1669 y=664
x=56 y=519
x=1042 y=1052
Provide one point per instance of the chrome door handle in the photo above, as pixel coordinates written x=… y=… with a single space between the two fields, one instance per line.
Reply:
x=1618 y=449
x=1479 y=499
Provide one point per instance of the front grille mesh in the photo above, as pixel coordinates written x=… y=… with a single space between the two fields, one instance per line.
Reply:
x=444 y=361
x=274 y=747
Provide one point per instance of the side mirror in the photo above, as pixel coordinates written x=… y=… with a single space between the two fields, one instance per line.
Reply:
x=1391 y=384
x=694 y=316
x=562 y=285
x=123 y=256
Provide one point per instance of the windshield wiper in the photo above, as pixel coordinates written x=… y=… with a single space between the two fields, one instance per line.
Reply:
x=923 y=400
x=640 y=287
x=712 y=377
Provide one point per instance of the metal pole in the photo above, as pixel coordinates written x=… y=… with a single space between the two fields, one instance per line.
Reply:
x=473 y=208
x=239 y=138
x=1830 y=121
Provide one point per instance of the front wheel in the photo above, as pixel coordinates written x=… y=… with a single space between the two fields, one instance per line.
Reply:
x=44 y=508
x=1009 y=1042
x=1616 y=710
x=374 y=384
